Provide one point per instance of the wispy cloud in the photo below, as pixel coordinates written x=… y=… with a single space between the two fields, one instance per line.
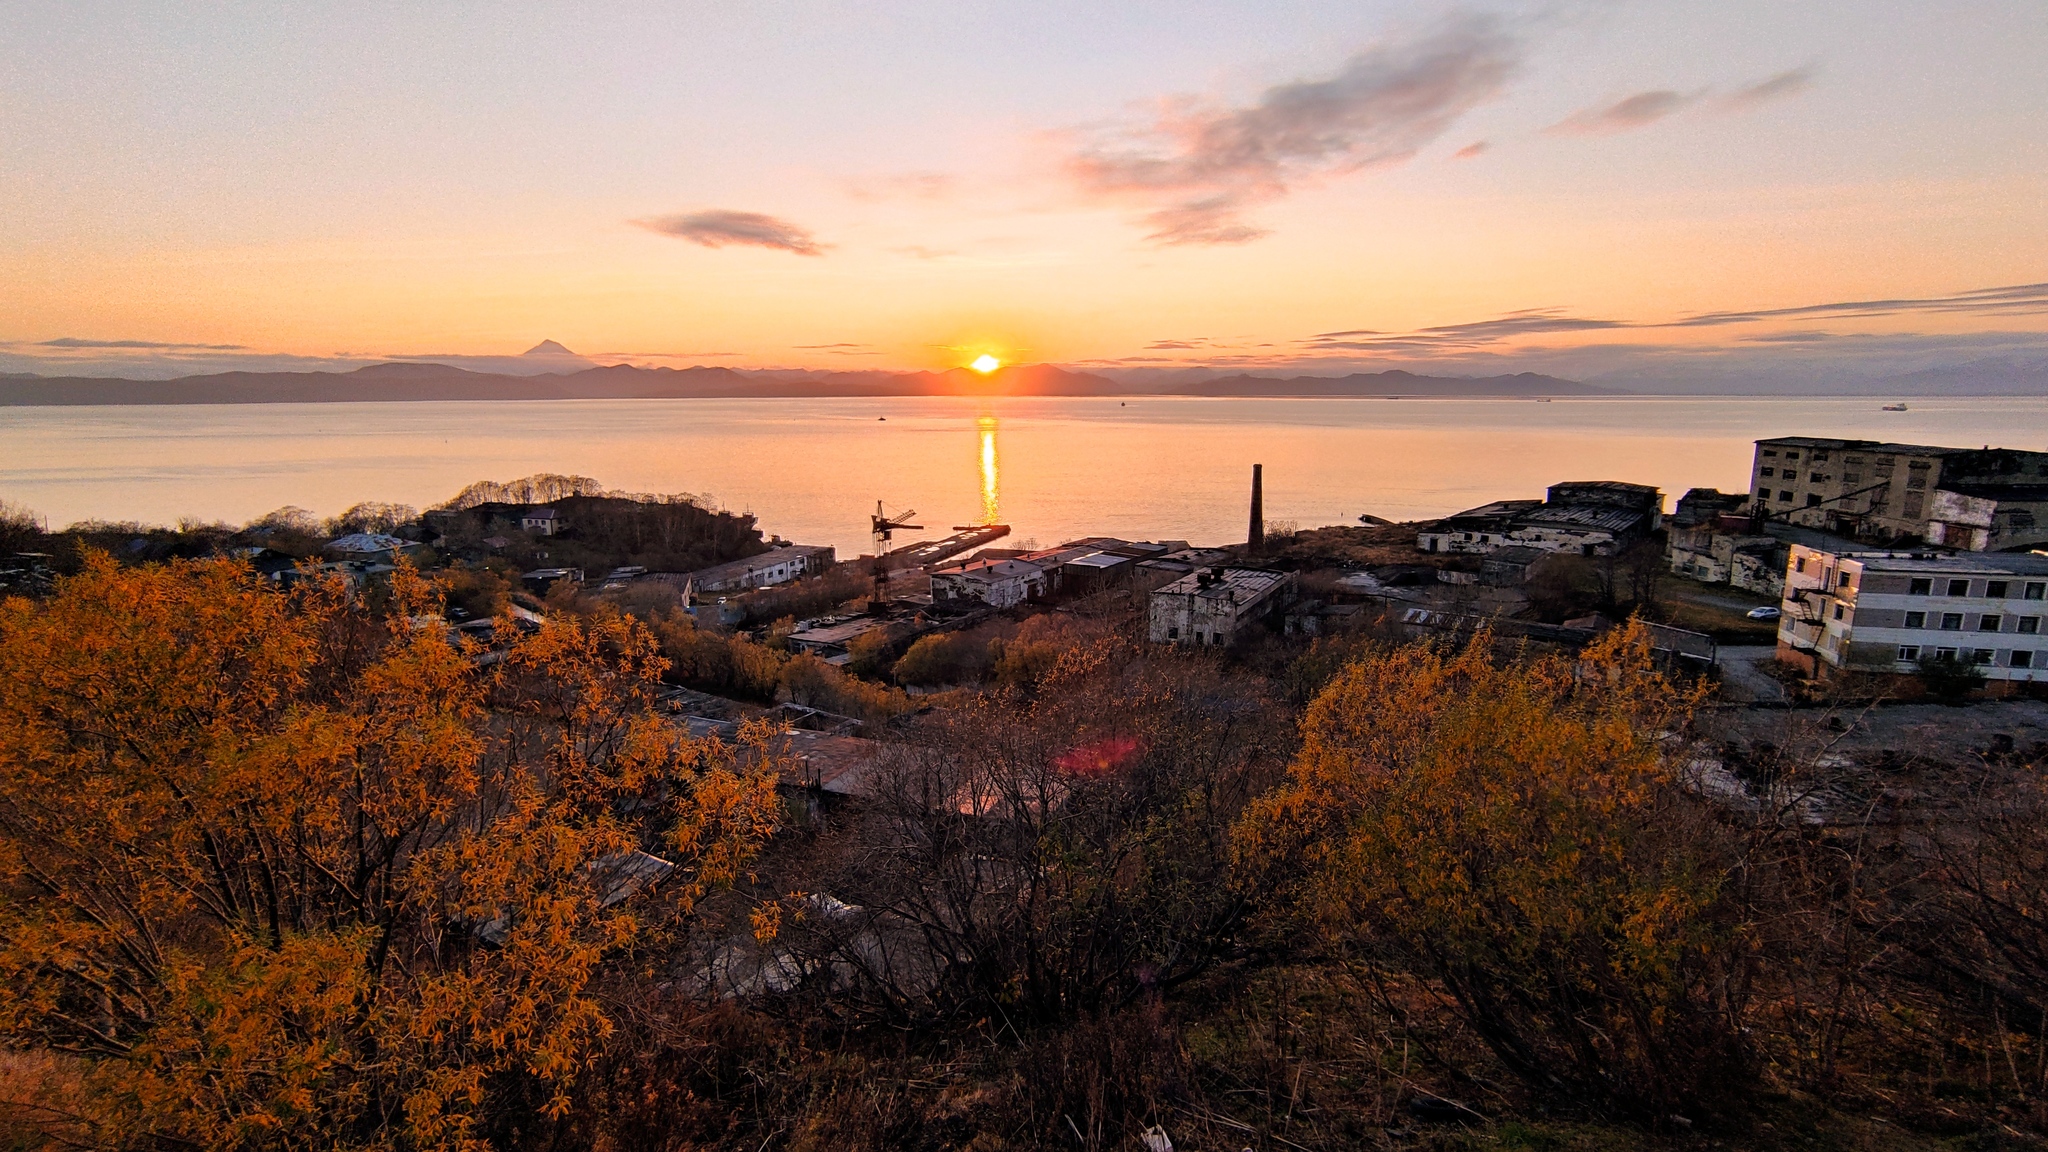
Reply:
x=1772 y=88
x=1624 y=115
x=146 y=345
x=1197 y=168
x=1476 y=148
x=2015 y=300
x=719 y=227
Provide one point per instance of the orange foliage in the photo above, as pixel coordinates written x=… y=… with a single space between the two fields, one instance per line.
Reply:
x=283 y=872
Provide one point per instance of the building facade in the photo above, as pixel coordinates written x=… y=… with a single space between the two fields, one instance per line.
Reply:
x=996 y=583
x=1876 y=489
x=775 y=566
x=1887 y=611
x=1210 y=606
x=1584 y=517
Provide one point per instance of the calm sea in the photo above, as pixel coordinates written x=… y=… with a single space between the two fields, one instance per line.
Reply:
x=1052 y=468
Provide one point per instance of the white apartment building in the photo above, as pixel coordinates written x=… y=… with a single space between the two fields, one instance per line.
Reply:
x=1886 y=611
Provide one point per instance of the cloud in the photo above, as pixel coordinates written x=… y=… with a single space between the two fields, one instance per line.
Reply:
x=924 y=253
x=1471 y=150
x=149 y=345
x=2014 y=300
x=1772 y=88
x=1196 y=168
x=1637 y=111
x=1472 y=334
x=719 y=227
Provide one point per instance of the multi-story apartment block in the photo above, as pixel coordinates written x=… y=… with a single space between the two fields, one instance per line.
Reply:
x=1888 y=611
x=1870 y=488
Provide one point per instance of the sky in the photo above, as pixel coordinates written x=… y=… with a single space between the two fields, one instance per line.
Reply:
x=1609 y=190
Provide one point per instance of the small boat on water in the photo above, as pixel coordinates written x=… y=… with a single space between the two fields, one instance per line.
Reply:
x=1894 y=408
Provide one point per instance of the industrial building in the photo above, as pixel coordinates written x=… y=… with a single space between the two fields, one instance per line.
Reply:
x=1887 y=611
x=1076 y=568
x=1209 y=606
x=1585 y=517
x=775 y=566
x=1890 y=492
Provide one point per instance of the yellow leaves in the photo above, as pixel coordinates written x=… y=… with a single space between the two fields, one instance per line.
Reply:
x=269 y=854
x=1511 y=825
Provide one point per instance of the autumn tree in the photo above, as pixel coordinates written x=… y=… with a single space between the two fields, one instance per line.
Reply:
x=276 y=871
x=1516 y=835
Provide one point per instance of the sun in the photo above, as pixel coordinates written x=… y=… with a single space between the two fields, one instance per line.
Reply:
x=985 y=364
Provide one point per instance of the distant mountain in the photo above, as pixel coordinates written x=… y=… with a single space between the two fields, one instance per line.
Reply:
x=1391 y=383
x=416 y=380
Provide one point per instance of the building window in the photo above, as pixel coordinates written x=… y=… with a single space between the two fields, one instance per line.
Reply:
x=2036 y=589
x=1813 y=499
x=1799 y=565
x=1959 y=587
x=1217 y=640
x=1173 y=633
x=1771 y=452
x=1951 y=621
x=1838 y=611
x=1785 y=497
x=1995 y=589
x=1987 y=623
x=1916 y=619
x=1764 y=472
x=1983 y=656
x=1842 y=581
x=1916 y=481
x=1944 y=653
x=1791 y=455
x=1921 y=587
x=1852 y=477
x=2021 y=658
x=1909 y=651
x=2029 y=625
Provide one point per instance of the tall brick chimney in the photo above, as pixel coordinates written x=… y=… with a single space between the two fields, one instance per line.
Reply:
x=1255 y=540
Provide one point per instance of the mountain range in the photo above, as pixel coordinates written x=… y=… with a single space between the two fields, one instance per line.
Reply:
x=403 y=381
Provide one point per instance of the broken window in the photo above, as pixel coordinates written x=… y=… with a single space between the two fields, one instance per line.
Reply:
x=1988 y=622
x=1921 y=586
x=1909 y=651
x=1916 y=619
x=1996 y=589
x=1959 y=587
x=1951 y=621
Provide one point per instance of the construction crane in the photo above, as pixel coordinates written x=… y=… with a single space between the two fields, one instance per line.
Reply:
x=885 y=526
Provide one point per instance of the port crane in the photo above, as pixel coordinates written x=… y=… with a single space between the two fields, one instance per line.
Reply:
x=886 y=526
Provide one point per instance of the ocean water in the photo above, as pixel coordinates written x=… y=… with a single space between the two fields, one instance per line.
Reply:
x=1052 y=468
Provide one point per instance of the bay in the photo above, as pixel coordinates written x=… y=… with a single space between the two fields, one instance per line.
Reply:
x=1053 y=468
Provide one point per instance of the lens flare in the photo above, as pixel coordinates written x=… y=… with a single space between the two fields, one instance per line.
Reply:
x=985 y=364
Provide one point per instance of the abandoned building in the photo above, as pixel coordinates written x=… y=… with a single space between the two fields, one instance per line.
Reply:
x=1211 y=605
x=1587 y=517
x=1890 y=492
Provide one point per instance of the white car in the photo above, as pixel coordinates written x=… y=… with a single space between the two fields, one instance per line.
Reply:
x=1764 y=613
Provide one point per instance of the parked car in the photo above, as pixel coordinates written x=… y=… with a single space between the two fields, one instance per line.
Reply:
x=1764 y=613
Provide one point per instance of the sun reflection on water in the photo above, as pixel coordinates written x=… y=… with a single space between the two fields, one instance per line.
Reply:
x=991 y=496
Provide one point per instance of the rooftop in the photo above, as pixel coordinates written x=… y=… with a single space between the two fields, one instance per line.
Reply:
x=1230 y=582
x=993 y=570
x=1600 y=516
x=731 y=569
x=1923 y=560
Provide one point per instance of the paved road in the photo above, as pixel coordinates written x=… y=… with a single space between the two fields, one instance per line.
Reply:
x=1742 y=681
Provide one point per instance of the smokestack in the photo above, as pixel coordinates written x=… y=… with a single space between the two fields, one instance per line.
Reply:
x=1255 y=540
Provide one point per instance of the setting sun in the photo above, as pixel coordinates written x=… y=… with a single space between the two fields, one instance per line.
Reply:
x=985 y=364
